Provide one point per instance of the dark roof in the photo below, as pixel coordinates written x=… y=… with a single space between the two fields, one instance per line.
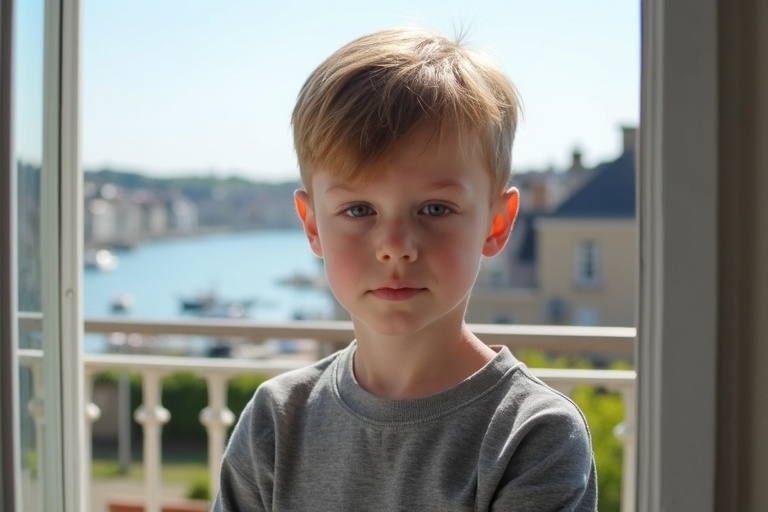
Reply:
x=610 y=193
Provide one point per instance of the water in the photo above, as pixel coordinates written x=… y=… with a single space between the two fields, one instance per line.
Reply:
x=238 y=266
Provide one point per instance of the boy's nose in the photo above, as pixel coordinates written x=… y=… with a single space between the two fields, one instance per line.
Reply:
x=397 y=243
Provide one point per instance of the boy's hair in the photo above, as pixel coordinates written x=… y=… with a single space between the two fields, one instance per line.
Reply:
x=359 y=103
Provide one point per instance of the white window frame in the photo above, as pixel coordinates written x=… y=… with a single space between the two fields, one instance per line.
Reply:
x=66 y=447
x=677 y=335
x=74 y=395
x=66 y=471
x=677 y=198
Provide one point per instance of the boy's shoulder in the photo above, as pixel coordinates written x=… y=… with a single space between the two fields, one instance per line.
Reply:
x=298 y=384
x=533 y=398
x=528 y=396
x=526 y=388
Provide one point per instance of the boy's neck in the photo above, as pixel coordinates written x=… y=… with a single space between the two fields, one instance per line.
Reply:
x=399 y=368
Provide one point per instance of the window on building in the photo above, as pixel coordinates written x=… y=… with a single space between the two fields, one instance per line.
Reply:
x=588 y=264
x=587 y=316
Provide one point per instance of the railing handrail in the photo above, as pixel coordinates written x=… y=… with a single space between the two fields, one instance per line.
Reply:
x=564 y=339
x=613 y=379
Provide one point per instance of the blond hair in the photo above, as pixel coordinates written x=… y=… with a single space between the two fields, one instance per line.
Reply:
x=360 y=102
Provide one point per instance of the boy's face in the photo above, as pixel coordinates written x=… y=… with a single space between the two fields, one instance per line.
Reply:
x=402 y=250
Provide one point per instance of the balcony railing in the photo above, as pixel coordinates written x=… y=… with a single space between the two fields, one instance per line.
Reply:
x=217 y=418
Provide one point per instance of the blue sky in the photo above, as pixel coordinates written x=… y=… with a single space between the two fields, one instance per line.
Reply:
x=201 y=86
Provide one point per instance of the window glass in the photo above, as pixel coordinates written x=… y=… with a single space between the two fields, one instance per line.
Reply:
x=186 y=132
x=587 y=264
x=189 y=167
x=28 y=163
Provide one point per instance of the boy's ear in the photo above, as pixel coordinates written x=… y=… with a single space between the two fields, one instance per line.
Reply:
x=502 y=223
x=308 y=220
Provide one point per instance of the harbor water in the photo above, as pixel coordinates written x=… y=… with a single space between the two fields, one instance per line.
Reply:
x=249 y=267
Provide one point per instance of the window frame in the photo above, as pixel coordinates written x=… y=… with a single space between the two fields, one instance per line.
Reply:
x=9 y=429
x=678 y=234
x=73 y=393
x=677 y=165
x=66 y=471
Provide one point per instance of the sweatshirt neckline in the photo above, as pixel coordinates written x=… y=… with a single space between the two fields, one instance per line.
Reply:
x=374 y=409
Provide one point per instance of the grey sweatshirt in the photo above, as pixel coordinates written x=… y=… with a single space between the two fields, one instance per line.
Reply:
x=313 y=439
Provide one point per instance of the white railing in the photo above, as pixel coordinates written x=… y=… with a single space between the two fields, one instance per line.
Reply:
x=217 y=418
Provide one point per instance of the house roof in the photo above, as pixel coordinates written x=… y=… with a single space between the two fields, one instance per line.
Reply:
x=610 y=193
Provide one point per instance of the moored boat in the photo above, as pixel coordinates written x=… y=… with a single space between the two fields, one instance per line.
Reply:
x=209 y=304
x=121 y=303
x=101 y=259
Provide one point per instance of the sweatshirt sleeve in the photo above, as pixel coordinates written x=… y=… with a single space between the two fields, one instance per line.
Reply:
x=246 y=479
x=551 y=467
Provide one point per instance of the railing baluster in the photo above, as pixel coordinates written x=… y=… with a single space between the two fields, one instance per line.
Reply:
x=36 y=409
x=152 y=416
x=92 y=413
x=216 y=418
x=626 y=432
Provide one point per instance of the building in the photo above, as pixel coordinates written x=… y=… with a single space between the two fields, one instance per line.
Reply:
x=571 y=260
x=117 y=217
x=587 y=252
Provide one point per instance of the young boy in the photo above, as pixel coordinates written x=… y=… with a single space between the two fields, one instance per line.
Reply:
x=404 y=143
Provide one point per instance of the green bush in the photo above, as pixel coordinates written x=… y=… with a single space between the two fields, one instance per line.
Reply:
x=184 y=395
x=30 y=462
x=199 y=490
x=603 y=412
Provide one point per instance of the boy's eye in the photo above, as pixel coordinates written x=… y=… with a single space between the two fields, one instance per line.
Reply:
x=358 y=210
x=436 y=210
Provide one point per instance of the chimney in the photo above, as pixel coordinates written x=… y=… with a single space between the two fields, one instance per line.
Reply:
x=576 y=164
x=629 y=134
x=539 y=195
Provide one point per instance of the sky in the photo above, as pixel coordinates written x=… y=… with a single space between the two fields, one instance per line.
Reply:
x=180 y=87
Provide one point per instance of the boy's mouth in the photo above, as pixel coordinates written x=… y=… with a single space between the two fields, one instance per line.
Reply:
x=396 y=294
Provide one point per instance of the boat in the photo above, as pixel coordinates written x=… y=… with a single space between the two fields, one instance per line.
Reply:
x=121 y=303
x=233 y=310
x=299 y=280
x=210 y=305
x=198 y=302
x=101 y=259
